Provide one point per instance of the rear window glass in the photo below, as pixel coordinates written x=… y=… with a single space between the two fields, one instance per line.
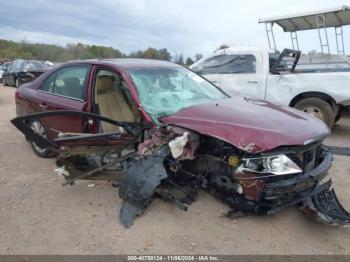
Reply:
x=227 y=64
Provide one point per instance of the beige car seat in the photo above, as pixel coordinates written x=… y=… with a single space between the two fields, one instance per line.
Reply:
x=111 y=102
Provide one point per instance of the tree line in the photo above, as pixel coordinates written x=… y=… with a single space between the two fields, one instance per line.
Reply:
x=12 y=50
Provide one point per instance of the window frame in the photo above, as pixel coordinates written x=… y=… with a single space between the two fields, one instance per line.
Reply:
x=85 y=85
x=121 y=74
x=98 y=68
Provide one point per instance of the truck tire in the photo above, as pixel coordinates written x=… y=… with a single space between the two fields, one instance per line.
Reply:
x=319 y=108
x=337 y=117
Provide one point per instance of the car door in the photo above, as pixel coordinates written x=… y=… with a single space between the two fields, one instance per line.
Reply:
x=84 y=155
x=65 y=89
x=235 y=73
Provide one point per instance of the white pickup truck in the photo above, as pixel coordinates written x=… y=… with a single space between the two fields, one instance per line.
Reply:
x=264 y=74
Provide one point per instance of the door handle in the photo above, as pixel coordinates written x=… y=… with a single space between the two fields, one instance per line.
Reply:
x=252 y=81
x=43 y=106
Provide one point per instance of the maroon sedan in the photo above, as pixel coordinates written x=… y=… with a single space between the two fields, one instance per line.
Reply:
x=163 y=131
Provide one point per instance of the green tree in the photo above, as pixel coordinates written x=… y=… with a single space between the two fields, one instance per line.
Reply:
x=164 y=54
x=198 y=56
x=189 y=61
x=180 y=60
x=223 y=46
x=150 y=53
x=27 y=50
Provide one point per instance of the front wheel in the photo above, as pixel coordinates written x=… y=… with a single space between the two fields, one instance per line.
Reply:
x=39 y=129
x=318 y=108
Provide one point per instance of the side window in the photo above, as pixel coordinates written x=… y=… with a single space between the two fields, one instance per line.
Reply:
x=228 y=64
x=15 y=67
x=48 y=84
x=6 y=67
x=68 y=81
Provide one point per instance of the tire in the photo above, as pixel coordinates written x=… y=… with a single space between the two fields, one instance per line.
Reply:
x=39 y=128
x=319 y=108
x=17 y=82
x=4 y=82
x=337 y=117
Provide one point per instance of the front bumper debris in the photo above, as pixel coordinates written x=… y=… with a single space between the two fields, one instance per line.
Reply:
x=326 y=208
x=141 y=178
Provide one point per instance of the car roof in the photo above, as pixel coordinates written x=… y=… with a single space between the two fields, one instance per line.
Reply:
x=129 y=62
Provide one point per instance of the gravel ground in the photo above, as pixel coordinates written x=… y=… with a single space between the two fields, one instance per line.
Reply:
x=39 y=216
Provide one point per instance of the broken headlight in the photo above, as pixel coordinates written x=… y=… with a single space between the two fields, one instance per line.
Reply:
x=277 y=165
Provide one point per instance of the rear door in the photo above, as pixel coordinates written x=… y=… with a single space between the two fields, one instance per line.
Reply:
x=65 y=89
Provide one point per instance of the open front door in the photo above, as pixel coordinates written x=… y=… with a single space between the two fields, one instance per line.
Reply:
x=87 y=156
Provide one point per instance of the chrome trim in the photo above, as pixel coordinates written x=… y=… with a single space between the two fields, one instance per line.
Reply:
x=73 y=98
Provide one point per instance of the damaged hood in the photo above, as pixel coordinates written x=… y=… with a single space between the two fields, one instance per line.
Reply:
x=253 y=125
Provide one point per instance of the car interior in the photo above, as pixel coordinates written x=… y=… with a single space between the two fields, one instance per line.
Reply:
x=72 y=88
x=113 y=100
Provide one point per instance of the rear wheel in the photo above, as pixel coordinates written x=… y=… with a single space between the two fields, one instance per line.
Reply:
x=39 y=129
x=17 y=82
x=319 y=108
x=4 y=82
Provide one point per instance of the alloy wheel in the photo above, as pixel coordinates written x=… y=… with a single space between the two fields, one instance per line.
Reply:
x=38 y=128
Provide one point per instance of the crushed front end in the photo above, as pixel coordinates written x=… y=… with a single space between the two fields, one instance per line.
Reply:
x=173 y=163
x=262 y=183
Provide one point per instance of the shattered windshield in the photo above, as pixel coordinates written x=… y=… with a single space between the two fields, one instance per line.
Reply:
x=164 y=91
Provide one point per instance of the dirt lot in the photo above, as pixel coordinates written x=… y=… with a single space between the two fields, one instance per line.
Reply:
x=39 y=216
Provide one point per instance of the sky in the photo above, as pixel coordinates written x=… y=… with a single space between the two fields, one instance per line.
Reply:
x=183 y=26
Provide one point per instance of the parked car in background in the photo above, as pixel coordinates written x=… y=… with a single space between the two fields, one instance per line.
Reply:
x=264 y=74
x=47 y=63
x=166 y=132
x=23 y=71
x=4 y=67
x=1 y=72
